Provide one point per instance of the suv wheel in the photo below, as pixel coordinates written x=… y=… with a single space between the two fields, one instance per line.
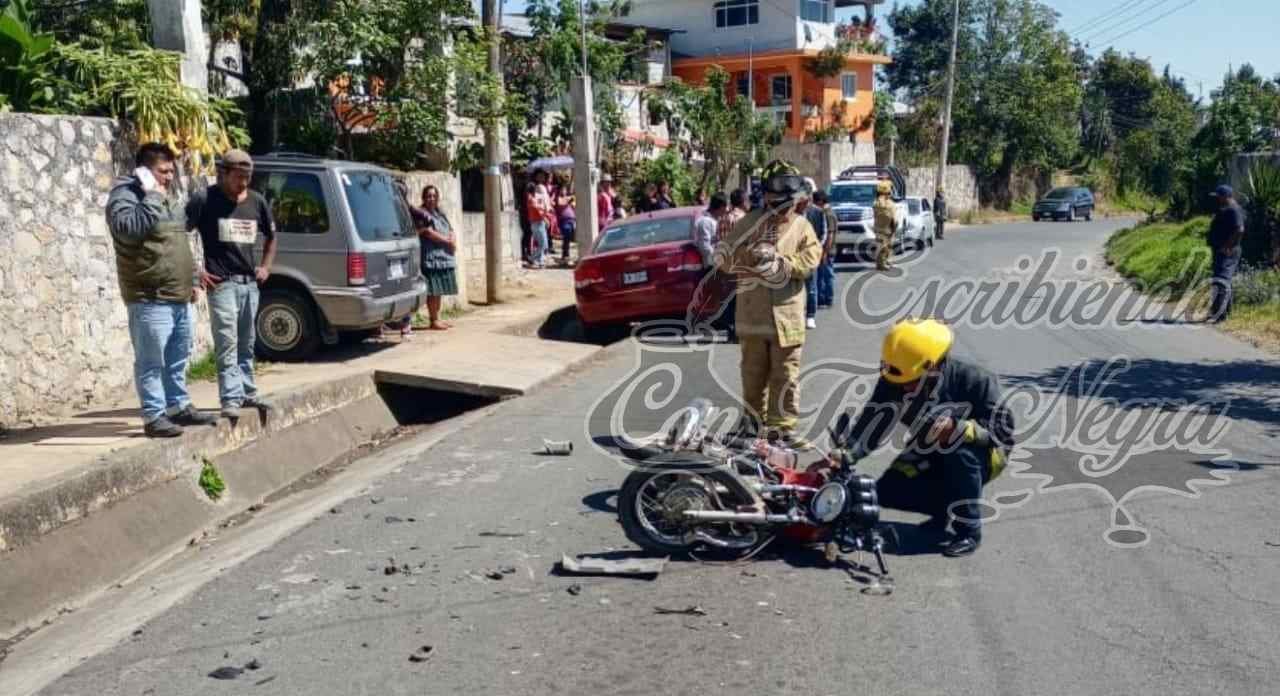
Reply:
x=287 y=326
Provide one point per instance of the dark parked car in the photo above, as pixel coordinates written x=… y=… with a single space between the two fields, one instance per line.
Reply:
x=1067 y=203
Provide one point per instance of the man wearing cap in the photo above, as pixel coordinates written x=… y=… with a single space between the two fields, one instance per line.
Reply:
x=231 y=219
x=1225 y=233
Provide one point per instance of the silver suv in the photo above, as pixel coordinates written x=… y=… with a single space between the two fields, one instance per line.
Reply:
x=347 y=258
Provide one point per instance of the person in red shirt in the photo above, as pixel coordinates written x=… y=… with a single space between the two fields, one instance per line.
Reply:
x=604 y=201
x=538 y=206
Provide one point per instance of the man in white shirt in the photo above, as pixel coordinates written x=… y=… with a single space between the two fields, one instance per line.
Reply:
x=706 y=227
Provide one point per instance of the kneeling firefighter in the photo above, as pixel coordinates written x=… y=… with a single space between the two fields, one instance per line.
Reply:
x=772 y=252
x=962 y=430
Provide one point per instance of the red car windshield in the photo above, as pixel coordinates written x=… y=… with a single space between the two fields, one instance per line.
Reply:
x=642 y=233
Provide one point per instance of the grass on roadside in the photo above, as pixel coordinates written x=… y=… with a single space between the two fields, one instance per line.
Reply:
x=421 y=321
x=1172 y=260
x=202 y=369
x=205 y=368
x=1169 y=257
x=211 y=481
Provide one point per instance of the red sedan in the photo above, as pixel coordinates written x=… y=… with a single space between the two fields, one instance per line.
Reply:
x=642 y=267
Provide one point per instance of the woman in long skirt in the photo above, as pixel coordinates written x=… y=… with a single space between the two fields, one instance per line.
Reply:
x=438 y=247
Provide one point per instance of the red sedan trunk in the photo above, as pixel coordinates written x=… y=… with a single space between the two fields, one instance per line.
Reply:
x=643 y=267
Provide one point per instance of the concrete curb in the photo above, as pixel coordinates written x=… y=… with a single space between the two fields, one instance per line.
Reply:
x=73 y=537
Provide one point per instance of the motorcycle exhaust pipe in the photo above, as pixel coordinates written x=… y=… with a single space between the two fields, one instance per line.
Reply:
x=744 y=517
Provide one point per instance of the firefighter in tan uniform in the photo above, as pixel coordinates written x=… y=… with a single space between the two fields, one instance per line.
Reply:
x=772 y=252
x=886 y=224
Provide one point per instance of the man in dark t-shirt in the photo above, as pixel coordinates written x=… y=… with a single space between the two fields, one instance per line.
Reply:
x=231 y=218
x=1225 y=233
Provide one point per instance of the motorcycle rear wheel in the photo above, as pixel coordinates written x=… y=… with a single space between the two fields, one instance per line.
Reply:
x=652 y=501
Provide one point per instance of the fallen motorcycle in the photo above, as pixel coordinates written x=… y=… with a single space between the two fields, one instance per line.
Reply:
x=693 y=491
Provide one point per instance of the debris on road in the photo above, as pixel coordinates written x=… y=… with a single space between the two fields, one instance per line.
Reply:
x=265 y=615
x=561 y=448
x=392 y=568
x=500 y=573
x=335 y=510
x=503 y=535
x=253 y=665
x=692 y=610
x=392 y=519
x=376 y=499
x=422 y=654
x=592 y=565
x=575 y=589
x=268 y=680
x=226 y=673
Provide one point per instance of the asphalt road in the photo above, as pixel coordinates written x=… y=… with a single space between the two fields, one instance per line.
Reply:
x=1182 y=600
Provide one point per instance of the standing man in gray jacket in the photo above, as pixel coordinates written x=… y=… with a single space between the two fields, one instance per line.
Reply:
x=158 y=283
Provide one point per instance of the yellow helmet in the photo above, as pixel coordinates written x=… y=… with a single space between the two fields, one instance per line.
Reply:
x=912 y=347
x=884 y=187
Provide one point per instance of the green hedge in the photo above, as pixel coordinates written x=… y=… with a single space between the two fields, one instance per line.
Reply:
x=1162 y=257
x=1173 y=257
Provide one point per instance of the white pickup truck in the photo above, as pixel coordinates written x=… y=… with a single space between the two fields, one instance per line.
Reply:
x=852 y=196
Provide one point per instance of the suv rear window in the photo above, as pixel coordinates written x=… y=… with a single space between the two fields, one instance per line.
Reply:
x=630 y=235
x=859 y=194
x=296 y=200
x=379 y=212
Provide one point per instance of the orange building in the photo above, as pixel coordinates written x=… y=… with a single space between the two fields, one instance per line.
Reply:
x=768 y=47
x=780 y=82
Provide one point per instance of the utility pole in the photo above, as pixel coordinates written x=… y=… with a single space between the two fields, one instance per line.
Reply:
x=951 y=88
x=584 y=149
x=493 y=169
x=893 y=146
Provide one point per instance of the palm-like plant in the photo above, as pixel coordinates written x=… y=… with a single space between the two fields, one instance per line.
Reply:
x=1262 y=203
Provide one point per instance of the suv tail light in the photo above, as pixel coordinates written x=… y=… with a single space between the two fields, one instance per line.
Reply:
x=357 y=269
x=690 y=259
x=587 y=274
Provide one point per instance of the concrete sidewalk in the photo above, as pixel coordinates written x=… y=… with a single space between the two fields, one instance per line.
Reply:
x=88 y=466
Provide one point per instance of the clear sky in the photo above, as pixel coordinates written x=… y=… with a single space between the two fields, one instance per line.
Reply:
x=1198 y=39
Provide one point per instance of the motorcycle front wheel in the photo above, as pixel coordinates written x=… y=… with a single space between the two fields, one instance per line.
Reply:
x=653 y=500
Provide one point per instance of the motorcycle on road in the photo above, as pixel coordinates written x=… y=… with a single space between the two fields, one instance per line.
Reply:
x=733 y=495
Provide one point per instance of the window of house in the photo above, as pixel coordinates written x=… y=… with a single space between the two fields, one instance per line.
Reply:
x=744 y=85
x=296 y=200
x=817 y=11
x=849 y=85
x=780 y=88
x=737 y=13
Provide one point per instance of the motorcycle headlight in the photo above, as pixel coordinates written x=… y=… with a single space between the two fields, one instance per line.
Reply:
x=829 y=502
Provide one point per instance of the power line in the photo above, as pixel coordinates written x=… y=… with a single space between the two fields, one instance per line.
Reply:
x=1118 y=21
x=1104 y=16
x=1113 y=39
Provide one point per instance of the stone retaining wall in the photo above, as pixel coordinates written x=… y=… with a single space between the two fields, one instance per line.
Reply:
x=959 y=181
x=65 y=337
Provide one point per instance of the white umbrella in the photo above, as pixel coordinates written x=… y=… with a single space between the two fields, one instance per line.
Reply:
x=557 y=162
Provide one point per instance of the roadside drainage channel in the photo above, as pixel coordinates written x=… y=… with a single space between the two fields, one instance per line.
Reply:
x=76 y=561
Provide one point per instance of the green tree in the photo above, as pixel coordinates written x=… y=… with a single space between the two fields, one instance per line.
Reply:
x=1018 y=92
x=727 y=133
x=394 y=59
x=1136 y=125
x=552 y=58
